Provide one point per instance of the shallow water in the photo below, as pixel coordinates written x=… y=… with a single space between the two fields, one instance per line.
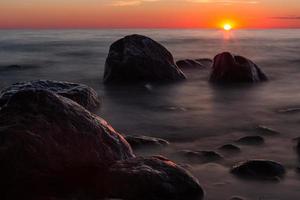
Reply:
x=193 y=114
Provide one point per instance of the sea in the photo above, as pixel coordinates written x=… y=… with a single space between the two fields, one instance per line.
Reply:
x=193 y=114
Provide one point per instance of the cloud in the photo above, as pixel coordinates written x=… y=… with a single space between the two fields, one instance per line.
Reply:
x=287 y=17
x=130 y=2
x=225 y=1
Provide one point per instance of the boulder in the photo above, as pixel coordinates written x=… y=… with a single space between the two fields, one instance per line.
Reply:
x=228 y=68
x=251 y=140
x=50 y=145
x=259 y=169
x=145 y=141
x=194 y=64
x=136 y=58
x=82 y=94
x=153 y=178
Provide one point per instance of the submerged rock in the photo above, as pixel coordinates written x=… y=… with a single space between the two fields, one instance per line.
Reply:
x=267 y=131
x=251 y=140
x=145 y=141
x=194 y=64
x=230 y=148
x=200 y=156
x=82 y=94
x=259 y=169
x=51 y=145
x=228 y=68
x=136 y=58
x=153 y=178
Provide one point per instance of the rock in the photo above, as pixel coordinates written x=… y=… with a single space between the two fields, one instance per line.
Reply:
x=251 y=140
x=153 y=178
x=145 y=141
x=82 y=94
x=207 y=62
x=237 y=198
x=259 y=169
x=51 y=145
x=289 y=110
x=230 y=148
x=228 y=68
x=267 y=131
x=189 y=64
x=136 y=58
x=200 y=156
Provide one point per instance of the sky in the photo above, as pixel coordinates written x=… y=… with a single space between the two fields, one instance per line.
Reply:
x=149 y=13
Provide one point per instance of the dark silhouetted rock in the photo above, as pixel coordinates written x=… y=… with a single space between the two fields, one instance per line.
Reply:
x=200 y=156
x=136 y=58
x=145 y=141
x=259 y=169
x=230 y=148
x=153 y=178
x=267 y=131
x=82 y=94
x=51 y=145
x=194 y=64
x=228 y=68
x=251 y=140
x=237 y=198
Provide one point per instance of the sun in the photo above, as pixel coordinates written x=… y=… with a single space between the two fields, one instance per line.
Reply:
x=227 y=27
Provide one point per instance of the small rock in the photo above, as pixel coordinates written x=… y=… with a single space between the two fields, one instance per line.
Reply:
x=230 y=148
x=207 y=62
x=237 y=198
x=228 y=68
x=137 y=141
x=81 y=94
x=259 y=169
x=200 y=156
x=137 y=58
x=153 y=178
x=189 y=64
x=267 y=131
x=251 y=140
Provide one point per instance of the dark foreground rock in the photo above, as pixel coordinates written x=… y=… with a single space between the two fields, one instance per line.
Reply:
x=82 y=94
x=200 y=156
x=259 y=169
x=228 y=68
x=230 y=148
x=138 y=141
x=136 y=58
x=154 y=178
x=251 y=140
x=50 y=145
x=194 y=64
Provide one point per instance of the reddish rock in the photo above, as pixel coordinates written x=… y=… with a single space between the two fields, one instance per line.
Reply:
x=228 y=68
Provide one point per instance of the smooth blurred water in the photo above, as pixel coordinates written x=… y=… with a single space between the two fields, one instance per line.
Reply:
x=192 y=114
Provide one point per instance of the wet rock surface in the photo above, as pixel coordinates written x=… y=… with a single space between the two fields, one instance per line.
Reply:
x=55 y=146
x=251 y=140
x=153 y=178
x=82 y=94
x=137 y=58
x=259 y=169
x=145 y=141
x=229 y=68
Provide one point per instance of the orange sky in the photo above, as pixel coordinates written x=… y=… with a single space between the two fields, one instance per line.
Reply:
x=149 y=13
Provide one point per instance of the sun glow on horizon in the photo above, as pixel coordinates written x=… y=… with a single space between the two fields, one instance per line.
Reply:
x=227 y=27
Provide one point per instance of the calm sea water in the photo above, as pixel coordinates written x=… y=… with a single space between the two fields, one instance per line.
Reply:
x=193 y=114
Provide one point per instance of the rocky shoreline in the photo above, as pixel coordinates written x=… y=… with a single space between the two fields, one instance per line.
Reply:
x=54 y=146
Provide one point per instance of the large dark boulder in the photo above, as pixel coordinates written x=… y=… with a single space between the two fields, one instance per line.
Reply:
x=259 y=169
x=82 y=94
x=50 y=145
x=136 y=58
x=228 y=68
x=154 y=178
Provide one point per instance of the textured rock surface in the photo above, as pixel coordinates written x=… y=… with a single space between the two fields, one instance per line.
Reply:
x=228 y=68
x=154 y=178
x=259 y=169
x=82 y=94
x=136 y=58
x=145 y=141
x=51 y=145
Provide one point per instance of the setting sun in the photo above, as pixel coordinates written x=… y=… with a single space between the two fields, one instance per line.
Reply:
x=227 y=27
